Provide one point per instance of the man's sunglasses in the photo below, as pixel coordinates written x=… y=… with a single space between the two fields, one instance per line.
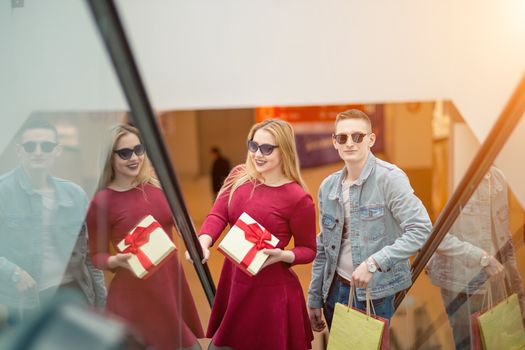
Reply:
x=266 y=149
x=46 y=146
x=127 y=153
x=357 y=137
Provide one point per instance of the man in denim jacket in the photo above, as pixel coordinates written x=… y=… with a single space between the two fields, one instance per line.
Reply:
x=43 y=241
x=371 y=223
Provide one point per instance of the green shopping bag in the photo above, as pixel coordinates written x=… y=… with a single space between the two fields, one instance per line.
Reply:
x=354 y=329
x=501 y=326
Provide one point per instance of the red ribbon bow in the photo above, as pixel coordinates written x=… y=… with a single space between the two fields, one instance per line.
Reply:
x=138 y=238
x=255 y=234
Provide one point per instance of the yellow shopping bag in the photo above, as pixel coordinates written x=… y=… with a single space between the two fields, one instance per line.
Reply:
x=353 y=329
x=501 y=326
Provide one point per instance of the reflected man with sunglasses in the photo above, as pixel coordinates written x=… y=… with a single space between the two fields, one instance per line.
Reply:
x=42 y=233
x=371 y=223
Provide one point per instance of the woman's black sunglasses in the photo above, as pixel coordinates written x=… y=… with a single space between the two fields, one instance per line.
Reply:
x=127 y=153
x=266 y=149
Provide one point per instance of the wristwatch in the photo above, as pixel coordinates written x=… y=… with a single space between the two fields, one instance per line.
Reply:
x=15 y=276
x=484 y=261
x=372 y=267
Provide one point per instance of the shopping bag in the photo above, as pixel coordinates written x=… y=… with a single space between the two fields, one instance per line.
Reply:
x=475 y=335
x=501 y=327
x=352 y=328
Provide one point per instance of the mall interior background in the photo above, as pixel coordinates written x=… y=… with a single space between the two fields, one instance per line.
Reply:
x=209 y=68
x=429 y=140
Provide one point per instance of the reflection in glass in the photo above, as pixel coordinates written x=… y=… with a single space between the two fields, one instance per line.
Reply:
x=160 y=306
x=477 y=253
x=43 y=238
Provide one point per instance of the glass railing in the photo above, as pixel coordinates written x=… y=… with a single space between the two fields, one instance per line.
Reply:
x=61 y=103
x=475 y=256
x=112 y=32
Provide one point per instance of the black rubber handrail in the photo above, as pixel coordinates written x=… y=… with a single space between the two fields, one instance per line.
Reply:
x=110 y=27
x=480 y=165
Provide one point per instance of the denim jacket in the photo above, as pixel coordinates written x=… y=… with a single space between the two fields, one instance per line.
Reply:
x=21 y=239
x=482 y=226
x=387 y=222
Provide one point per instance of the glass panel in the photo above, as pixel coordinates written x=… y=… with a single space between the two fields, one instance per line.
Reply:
x=479 y=263
x=60 y=101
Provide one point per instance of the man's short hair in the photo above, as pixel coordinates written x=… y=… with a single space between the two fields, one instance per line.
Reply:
x=353 y=114
x=34 y=123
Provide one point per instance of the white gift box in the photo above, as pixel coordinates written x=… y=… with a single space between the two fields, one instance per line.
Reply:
x=156 y=249
x=236 y=247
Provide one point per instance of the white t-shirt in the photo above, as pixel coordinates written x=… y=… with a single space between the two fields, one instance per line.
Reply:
x=345 y=267
x=53 y=267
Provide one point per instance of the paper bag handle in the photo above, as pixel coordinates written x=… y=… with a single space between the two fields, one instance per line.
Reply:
x=369 y=303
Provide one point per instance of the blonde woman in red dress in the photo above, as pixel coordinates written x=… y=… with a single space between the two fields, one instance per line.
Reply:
x=268 y=310
x=161 y=308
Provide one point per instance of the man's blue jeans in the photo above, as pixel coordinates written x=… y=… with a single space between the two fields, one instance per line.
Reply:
x=340 y=293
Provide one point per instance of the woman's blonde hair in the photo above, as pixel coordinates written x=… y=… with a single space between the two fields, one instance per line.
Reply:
x=284 y=138
x=146 y=174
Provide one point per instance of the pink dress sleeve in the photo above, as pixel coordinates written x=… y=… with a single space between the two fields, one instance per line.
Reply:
x=218 y=217
x=98 y=232
x=302 y=225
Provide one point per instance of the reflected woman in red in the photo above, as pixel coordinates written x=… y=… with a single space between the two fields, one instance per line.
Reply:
x=161 y=307
x=268 y=310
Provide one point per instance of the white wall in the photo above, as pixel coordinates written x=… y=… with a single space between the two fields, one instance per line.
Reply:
x=464 y=148
x=264 y=52
x=511 y=161
x=199 y=54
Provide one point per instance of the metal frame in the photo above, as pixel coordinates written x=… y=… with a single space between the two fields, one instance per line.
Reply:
x=110 y=27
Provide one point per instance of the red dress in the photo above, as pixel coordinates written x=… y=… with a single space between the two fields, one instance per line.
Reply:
x=266 y=311
x=161 y=307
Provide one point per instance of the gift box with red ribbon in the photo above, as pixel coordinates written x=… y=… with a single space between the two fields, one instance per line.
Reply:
x=243 y=244
x=149 y=245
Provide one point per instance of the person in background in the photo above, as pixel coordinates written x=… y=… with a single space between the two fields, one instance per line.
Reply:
x=268 y=310
x=371 y=223
x=43 y=239
x=160 y=307
x=219 y=170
